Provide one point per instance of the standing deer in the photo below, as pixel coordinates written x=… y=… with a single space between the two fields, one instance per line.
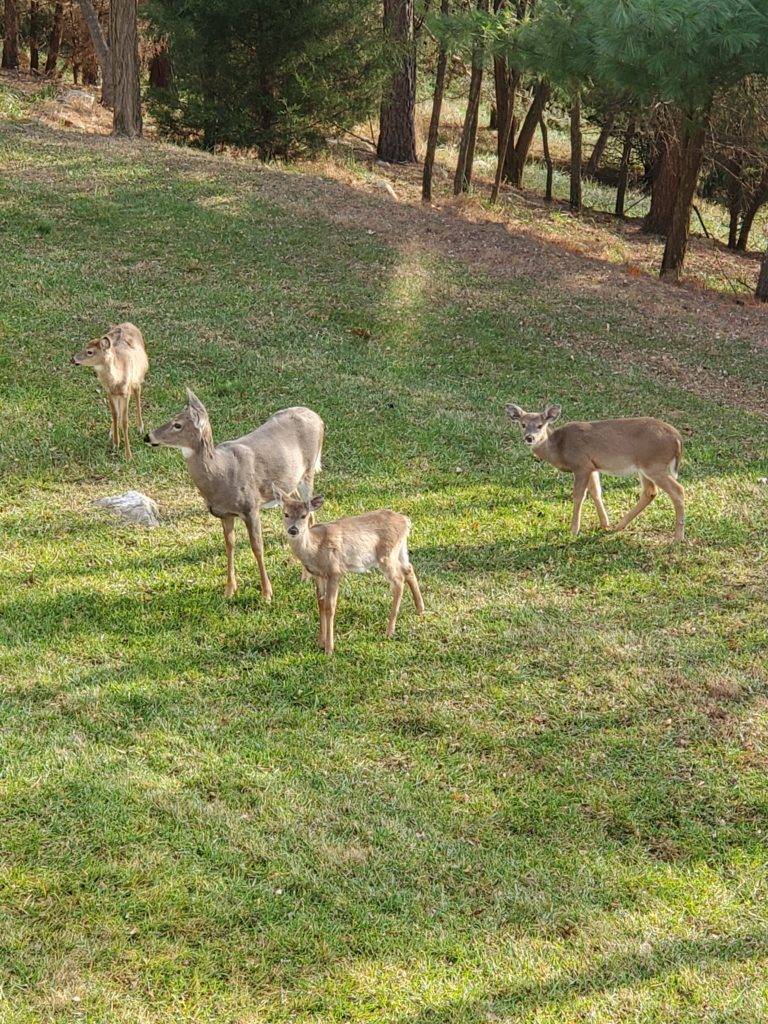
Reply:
x=120 y=361
x=236 y=478
x=353 y=544
x=646 y=446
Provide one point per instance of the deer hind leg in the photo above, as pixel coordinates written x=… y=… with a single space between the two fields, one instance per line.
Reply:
x=253 y=525
x=228 y=525
x=597 y=496
x=331 y=597
x=580 y=484
x=397 y=585
x=677 y=496
x=649 y=492
x=137 y=403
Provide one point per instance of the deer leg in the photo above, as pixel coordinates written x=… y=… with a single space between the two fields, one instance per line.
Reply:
x=647 y=496
x=228 y=525
x=122 y=414
x=114 y=432
x=597 y=496
x=580 y=482
x=331 y=597
x=413 y=586
x=320 y=591
x=397 y=584
x=253 y=525
x=137 y=403
x=677 y=497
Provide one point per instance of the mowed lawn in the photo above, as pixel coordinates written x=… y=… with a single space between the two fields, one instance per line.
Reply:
x=546 y=802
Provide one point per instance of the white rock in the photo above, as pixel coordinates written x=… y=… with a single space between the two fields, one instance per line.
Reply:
x=133 y=506
x=77 y=99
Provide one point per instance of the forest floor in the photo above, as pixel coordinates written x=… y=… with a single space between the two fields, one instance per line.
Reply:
x=544 y=803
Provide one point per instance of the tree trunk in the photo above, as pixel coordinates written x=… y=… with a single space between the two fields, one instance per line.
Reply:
x=434 y=121
x=54 y=40
x=626 y=154
x=506 y=133
x=525 y=138
x=126 y=88
x=735 y=190
x=575 y=114
x=463 y=176
x=34 y=35
x=758 y=199
x=506 y=81
x=103 y=53
x=547 y=157
x=493 y=120
x=11 y=38
x=761 y=292
x=160 y=69
x=397 y=128
x=677 y=238
x=602 y=141
x=666 y=175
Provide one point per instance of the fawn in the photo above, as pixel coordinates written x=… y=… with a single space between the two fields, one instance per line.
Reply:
x=236 y=478
x=646 y=446
x=353 y=544
x=120 y=361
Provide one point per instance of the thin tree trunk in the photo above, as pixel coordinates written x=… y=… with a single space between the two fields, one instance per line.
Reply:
x=575 y=114
x=397 y=127
x=160 y=69
x=666 y=176
x=547 y=157
x=505 y=136
x=434 y=121
x=677 y=238
x=10 y=57
x=54 y=40
x=463 y=176
x=493 y=120
x=626 y=154
x=599 y=148
x=123 y=31
x=506 y=81
x=34 y=35
x=759 y=198
x=761 y=292
x=103 y=52
x=525 y=138
x=733 y=169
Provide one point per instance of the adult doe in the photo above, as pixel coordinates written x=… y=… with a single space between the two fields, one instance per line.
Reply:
x=236 y=478
x=646 y=446
x=119 y=358
x=374 y=540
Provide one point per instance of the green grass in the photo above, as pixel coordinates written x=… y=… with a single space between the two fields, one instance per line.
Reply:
x=544 y=803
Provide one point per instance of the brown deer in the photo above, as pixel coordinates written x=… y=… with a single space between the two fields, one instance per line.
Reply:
x=374 y=540
x=119 y=358
x=236 y=478
x=646 y=446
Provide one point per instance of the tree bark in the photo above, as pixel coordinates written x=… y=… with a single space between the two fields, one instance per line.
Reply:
x=666 y=176
x=626 y=154
x=397 y=127
x=10 y=57
x=463 y=177
x=126 y=88
x=761 y=292
x=54 y=39
x=599 y=148
x=547 y=157
x=677 y=238
x=160 y=69
x=34 y=35
x=758 y=198
x=434 y=121
x=506 y=133
x=525 y=138
x=575 y=115
x=506 y=81
x=103 y=52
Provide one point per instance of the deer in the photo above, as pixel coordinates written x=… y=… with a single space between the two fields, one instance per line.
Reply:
x=643 y=445
x=236 y=478
x=353 y=544
x=119 y=358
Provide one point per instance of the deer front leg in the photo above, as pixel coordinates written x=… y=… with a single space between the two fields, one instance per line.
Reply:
x=397 y=584
x=597 y=496
x=253 y=525
x=114 y=434
x=228 y=525
x=331 y=597
x=320 y=592
x=580 y=482
x=121 y=404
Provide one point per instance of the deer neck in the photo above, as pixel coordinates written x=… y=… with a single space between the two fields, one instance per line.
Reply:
x=305 y=546
x=543 y=450
x=204 y=463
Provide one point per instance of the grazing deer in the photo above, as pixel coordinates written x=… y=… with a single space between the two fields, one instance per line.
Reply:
x=646 y=446
x=120 y=361
x=353 y=544
x=236 y=478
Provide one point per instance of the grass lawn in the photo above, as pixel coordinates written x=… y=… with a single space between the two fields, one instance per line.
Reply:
x=546 y=802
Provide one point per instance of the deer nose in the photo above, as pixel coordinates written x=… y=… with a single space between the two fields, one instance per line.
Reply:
x=293 y=530
x=147 y=439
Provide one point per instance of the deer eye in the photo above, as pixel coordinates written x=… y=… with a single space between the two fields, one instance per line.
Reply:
x=89 y=352
x=304 y=516
x=177 y=426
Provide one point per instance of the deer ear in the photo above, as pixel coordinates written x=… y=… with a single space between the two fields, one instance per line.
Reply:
x=552 y=412
x=105 y=343
x=316 y=502
x=279 y=495
x=513 y=411
x=198 y=412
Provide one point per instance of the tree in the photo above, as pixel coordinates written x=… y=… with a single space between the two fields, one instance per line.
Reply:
x=598 y=150
x=434 y=121
x=34 y=33
x=124 y=59
x=463 y=176
x=626 y=155
x=10 y=57
x=54 y=39
x=102 y=50
x=397 y=128
x=761 y=292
